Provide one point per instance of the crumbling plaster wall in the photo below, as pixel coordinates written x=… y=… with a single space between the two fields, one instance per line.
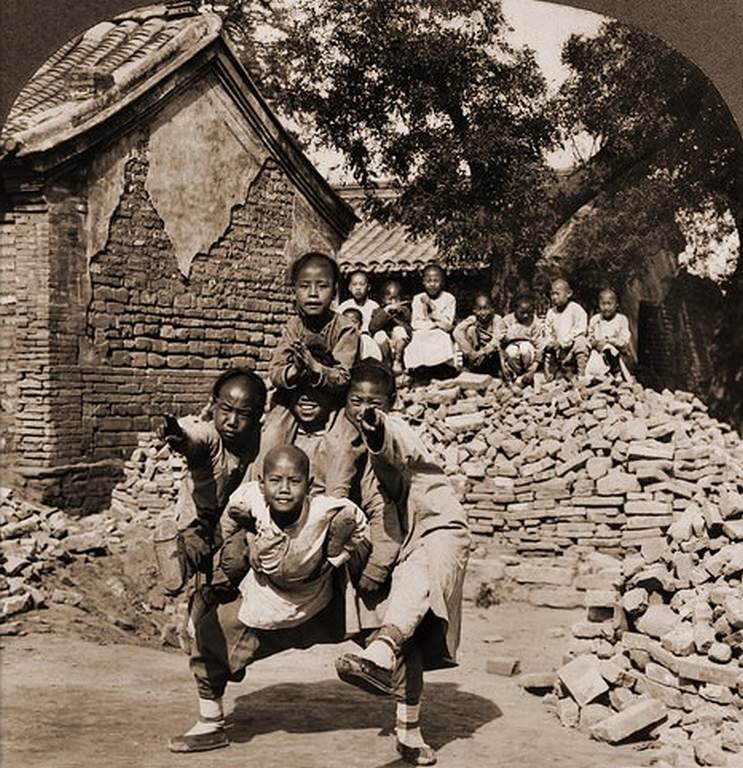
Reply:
x=166 y=260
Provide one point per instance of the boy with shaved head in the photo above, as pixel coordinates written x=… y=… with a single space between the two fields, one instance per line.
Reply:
x=295 y=544
x=566 y=326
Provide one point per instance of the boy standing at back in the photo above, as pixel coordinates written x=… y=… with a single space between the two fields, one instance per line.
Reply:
x=566 y=326
x=359 y=288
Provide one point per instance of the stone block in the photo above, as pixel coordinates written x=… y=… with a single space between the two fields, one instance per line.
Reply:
x=583 y=679
x=630 y=721
x=657 y=621
x=502 y=665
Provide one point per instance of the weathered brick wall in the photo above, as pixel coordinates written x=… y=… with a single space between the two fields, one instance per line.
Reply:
x=99 y=350
x=156 y=337
x=8 y=363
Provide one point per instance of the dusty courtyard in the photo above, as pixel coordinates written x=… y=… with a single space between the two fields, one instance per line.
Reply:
x=70 y=702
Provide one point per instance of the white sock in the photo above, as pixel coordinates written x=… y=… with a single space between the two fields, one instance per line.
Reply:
x=380 y=653
x=211 y=717
x=408 y=725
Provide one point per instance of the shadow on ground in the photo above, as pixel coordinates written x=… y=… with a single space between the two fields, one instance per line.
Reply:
x=448 y=713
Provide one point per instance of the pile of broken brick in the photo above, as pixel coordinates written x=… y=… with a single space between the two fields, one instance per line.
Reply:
x=660 y=649
x=568 y=469
x=36 y=539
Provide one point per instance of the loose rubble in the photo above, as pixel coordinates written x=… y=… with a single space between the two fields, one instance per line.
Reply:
x=39 y=543
x=621 y=500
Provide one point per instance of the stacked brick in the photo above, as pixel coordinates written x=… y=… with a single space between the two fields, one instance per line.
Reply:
x=664 y=626
x=557 y=470
x=152 y=477
x=35 y=539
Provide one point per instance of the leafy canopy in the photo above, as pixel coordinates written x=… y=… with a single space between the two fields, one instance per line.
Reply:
x=427 y=94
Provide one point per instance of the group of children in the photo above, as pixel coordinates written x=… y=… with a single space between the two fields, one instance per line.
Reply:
x=328 y=520
x=422 y=336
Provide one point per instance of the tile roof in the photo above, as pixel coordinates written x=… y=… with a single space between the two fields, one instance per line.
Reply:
x=102 y=65
x=381 y=248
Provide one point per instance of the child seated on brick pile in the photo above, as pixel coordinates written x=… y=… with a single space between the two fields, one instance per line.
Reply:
x=609 y=339
x=315 y=336
x=367 y=347
x=479 y=335
x=522 y=341
x=360 y=290
x=422 y=617
x=390 y=326
x=295 y=542
x=432 y=319
x=218 y=453
x=566 y=325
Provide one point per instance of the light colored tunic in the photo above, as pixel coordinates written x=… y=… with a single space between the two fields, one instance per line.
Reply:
x=566 y=326
x=431 y=345
x=289 y=586
x=436 y=540
x=615 y=332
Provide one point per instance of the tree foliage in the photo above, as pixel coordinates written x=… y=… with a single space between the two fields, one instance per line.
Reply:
x=667 y=143
x=428 y=94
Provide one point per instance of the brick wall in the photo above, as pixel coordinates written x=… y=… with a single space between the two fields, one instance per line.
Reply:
x=104 y=349
x=156 y=337
x=8 y=363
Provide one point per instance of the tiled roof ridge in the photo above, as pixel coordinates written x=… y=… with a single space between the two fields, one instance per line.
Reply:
x=134 y=48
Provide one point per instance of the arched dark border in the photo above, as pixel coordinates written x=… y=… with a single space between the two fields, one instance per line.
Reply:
x=708 y=33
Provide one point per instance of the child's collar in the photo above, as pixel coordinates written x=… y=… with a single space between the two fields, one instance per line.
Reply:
x=316 y=322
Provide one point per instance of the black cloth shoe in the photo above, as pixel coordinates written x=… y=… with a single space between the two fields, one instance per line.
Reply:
x=364 y=674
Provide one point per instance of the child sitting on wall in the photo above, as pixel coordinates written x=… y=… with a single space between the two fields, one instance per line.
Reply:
x=360 y=290
x=522 y=341
x=566 y=325
x=218 y=453
x=390 y=326
x=479 y=335
x=432 y=321
x=609 y=339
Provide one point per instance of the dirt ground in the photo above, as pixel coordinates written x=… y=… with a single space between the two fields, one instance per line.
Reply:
x=70 y=702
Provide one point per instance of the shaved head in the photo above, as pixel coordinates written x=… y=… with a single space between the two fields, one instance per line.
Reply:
x=561 y=282
x=290 y=453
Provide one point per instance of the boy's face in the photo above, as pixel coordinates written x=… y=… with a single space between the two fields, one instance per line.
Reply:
x=354 y=317
x=391 y=294
x=483 y=310
x=311 y=408
x=285 y=486
x=607 y=305
x=359 y=287
x=560 y=295
x=236 y=410
x=363 y=395
x=524 y=312
x=314 y=287
x=433 y=282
